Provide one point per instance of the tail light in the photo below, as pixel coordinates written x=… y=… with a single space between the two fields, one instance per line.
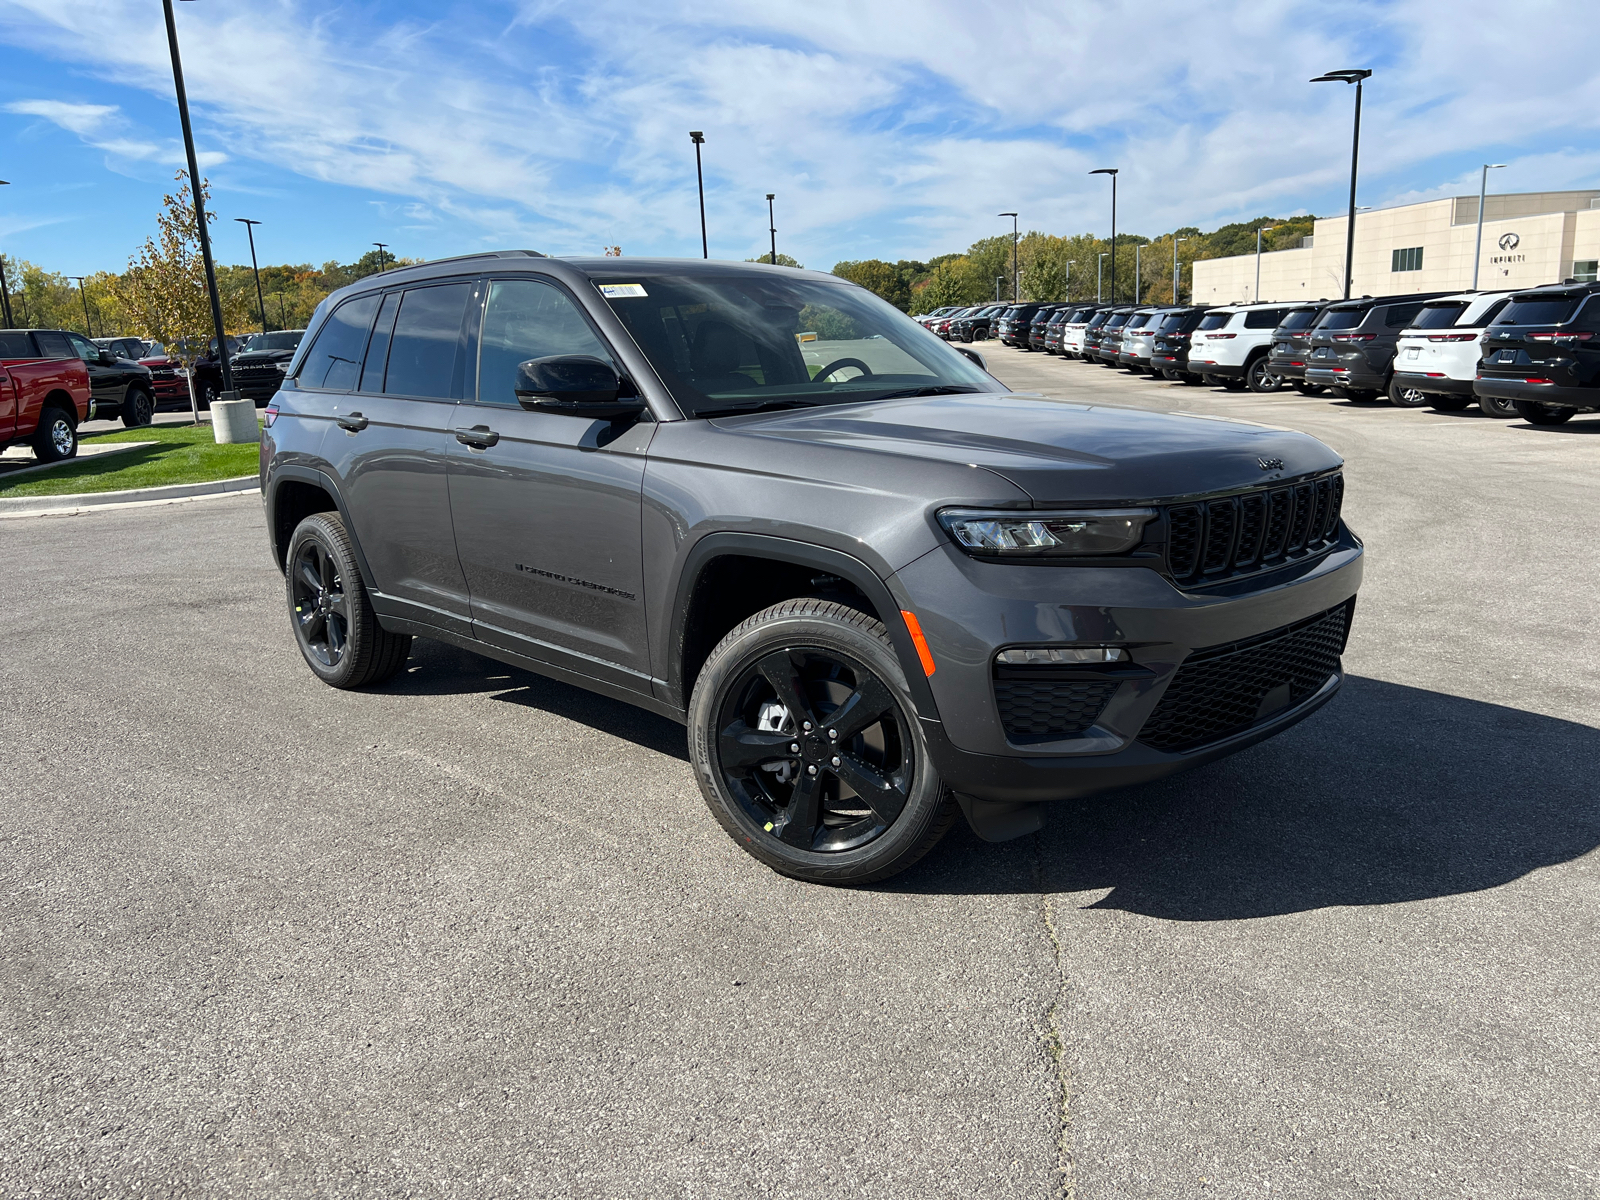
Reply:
x=1535 y=381
x=1562 y=338
x=1354 y=337
x=1222 y=337
x=1453 y=337
x=270 y=415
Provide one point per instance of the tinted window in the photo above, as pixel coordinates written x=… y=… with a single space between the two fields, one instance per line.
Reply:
x=1342 y=318
x=1439 y=316
x=378 y=348
x=427 y=337
x=1117 y=320
x=1489 y=314
x=1215 y=320
x=1401 y=315
x=528 y=319
x=1264 y=318
x=84 y=348
x=335 y=358
x=1098 y=319
x=1300 y=318
x=1539 y=310
x=15 y=345
x=1172 y=322
x=53 y=344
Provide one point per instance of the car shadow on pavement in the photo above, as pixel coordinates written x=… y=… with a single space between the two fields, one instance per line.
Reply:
x=1389 y=794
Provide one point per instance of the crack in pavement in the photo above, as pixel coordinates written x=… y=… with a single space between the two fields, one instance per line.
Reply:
x=1050 y=1034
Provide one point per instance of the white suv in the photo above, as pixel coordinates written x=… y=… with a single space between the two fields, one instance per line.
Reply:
x=1073 y=329
x=1437 y=355
x=1231 y=346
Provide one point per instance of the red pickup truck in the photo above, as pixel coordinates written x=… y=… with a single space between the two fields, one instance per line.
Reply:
x=44 y=393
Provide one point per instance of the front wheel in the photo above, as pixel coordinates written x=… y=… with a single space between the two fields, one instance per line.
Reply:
x=1402 y=396
x=807 y=748
x=1544 y=414
x=1494 y=406
x=334 y=624
x=1260 y=378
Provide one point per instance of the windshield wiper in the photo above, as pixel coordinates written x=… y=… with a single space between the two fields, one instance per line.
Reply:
x=941 y=389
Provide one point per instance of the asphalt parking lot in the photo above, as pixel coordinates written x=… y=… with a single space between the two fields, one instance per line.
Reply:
x=475 y=934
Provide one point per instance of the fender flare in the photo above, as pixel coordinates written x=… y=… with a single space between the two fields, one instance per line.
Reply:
x=807 y=554
x=321 y=479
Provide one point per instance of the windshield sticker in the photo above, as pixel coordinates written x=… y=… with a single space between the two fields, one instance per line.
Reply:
x=618 y=291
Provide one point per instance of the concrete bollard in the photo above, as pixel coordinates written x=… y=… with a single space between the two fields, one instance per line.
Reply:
x=234 y=421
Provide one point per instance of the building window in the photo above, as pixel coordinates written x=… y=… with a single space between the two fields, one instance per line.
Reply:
x=1586 y=270
x=1409 y=259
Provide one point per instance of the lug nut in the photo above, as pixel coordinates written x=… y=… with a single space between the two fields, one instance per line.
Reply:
x=808 y=726
x=794 y=747
x=811 y=770
x=834 y=734
x=836 y=761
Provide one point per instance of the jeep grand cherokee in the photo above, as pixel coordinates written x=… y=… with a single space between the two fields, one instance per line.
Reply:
x=877 y=587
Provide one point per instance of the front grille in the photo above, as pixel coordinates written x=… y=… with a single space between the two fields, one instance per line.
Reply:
x=1226 y=689
x=1050 y=709
x=1220 y=539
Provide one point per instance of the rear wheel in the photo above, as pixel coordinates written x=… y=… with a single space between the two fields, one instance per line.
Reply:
x=1259 y=376
x=1402 y=396
x=1494 y=406
x=57 y=436
x=807 y=748
x=334 y=625
x=138 y=407
x=1544 y=414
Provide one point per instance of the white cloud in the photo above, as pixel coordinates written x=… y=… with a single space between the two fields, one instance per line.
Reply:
x=82 y=119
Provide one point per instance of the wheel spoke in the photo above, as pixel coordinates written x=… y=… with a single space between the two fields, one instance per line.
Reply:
x=740 y=746
x=799 y=827
x=861 y=708
x=783 y=673
x=311 y=623
x=335 y=628
x=326 y=568
x=881 y=792
x=308 y=575
x=340 y=603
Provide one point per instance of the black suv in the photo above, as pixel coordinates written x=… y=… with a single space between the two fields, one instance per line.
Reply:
x=974 y=326
x=1053 y=328
x=1169 y=351
x=1037 y=326
x=877 y=588
x=1110 y=342
x=1014 y=327
x=1291 y=345
x=1352 y=344
x=1542 y=353
x=259 y=365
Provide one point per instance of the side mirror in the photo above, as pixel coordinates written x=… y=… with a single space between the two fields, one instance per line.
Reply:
x=973 y=355
x=578 y=385
x=107 y=359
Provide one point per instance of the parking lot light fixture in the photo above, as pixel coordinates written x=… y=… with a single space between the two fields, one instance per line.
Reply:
x=699 y=139
x=5 y=292
x=382 y=246
x=1477 y=245
x=1175 y=240
x=261 y=304
x=1016 y=293
x=84 y=296
x=1356 y=76
x=1264 y=229
x=772 y=227
x=199 y=206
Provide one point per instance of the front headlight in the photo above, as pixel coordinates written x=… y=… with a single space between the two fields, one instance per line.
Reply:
x=1047 y=534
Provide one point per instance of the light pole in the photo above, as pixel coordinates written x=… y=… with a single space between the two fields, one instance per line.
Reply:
x=283 y=322
x=85 y=298
x=1016 y=291
x=699 y=139
x=1137 y=247
x=774 y=228
x=382 y=246
x=1072 y=262
x=5 y=292
x=1477 y=246
x=1355 y=76
x=998 y=280
x=1099 y=278
x=1256 y=297
x=1175 y=241
x=261 y=304
x=199 y=207
x=1112 y=171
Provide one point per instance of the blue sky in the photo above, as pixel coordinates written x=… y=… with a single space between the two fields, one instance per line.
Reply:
x=886 y=129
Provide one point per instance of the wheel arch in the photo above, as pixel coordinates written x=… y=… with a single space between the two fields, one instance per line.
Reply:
x=294 y=493
x=706 y=604
x=62 y=400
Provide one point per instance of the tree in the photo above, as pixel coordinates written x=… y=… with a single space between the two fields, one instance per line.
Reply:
x=956 y=281
x=783 y=261
x=877 y=277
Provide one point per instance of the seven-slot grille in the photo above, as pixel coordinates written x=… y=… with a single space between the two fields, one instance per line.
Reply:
x=1213 y=540
x=1223 y=690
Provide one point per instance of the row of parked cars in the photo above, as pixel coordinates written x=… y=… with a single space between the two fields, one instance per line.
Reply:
x=1533 y=354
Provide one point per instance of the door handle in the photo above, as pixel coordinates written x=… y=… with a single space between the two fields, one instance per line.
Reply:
x=354 y=422
x=479 y=437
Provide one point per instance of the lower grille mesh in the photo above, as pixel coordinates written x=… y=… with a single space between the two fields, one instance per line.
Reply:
x=1226 y=689
x=1049 y=710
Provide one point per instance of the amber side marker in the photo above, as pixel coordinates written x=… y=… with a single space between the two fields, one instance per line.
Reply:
x=920 y=642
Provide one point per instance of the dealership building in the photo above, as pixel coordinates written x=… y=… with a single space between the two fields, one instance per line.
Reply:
x=1529 y=238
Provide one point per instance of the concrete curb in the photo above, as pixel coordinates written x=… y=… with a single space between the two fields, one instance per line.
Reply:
x=34 y=506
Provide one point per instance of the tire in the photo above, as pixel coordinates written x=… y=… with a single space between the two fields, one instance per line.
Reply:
x=138 y=407
x=1310 y=389
x=1449 y=403
x=1544 y=414
x=1232 y=385
x=330 y=611
x=1191 y=379
x=56 y=439
x=823 y=656
x=1500 y=410
x=204 y=395
x=1259 y=378
x=1404 y=397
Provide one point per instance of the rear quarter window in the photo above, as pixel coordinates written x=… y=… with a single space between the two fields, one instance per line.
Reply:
x=1398 y=316
x=1264 y=318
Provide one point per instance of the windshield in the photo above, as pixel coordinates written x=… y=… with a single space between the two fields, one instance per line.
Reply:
x=730 y=343
x=1300 y=318
x=274 y=341
x=1342 y=318
x=1439 y=316
x=1539 y=310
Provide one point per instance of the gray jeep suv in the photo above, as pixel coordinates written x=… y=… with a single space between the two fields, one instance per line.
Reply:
x=877 y=587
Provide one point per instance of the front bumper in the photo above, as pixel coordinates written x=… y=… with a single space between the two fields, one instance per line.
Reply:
x=1585 y=399
x=970 y=610
x=1441 y=384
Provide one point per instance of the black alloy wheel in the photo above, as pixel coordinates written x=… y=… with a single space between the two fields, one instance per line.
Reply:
x=138 y=407
x=334 y=624
x=1535 y=413
x=1500 y=410
x=56 y=438
x=1259 y=376
x=1407 y=397
x=807 y=748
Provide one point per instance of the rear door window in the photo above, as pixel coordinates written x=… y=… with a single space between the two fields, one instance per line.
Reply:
x=426 y=343
x=335 y=359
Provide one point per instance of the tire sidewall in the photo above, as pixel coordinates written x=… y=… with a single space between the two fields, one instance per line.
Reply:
x=44 y=446
x=773 y=630
x=321 y=528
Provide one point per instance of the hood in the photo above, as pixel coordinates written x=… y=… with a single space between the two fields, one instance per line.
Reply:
x=263 y=356
x=1056 y=451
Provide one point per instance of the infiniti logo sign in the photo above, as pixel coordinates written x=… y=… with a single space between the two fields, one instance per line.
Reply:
x=1509 y=241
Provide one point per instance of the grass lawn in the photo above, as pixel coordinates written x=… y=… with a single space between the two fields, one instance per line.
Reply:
x=181 y=454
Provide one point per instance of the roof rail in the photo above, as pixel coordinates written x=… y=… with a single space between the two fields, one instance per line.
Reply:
x=484 y=254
